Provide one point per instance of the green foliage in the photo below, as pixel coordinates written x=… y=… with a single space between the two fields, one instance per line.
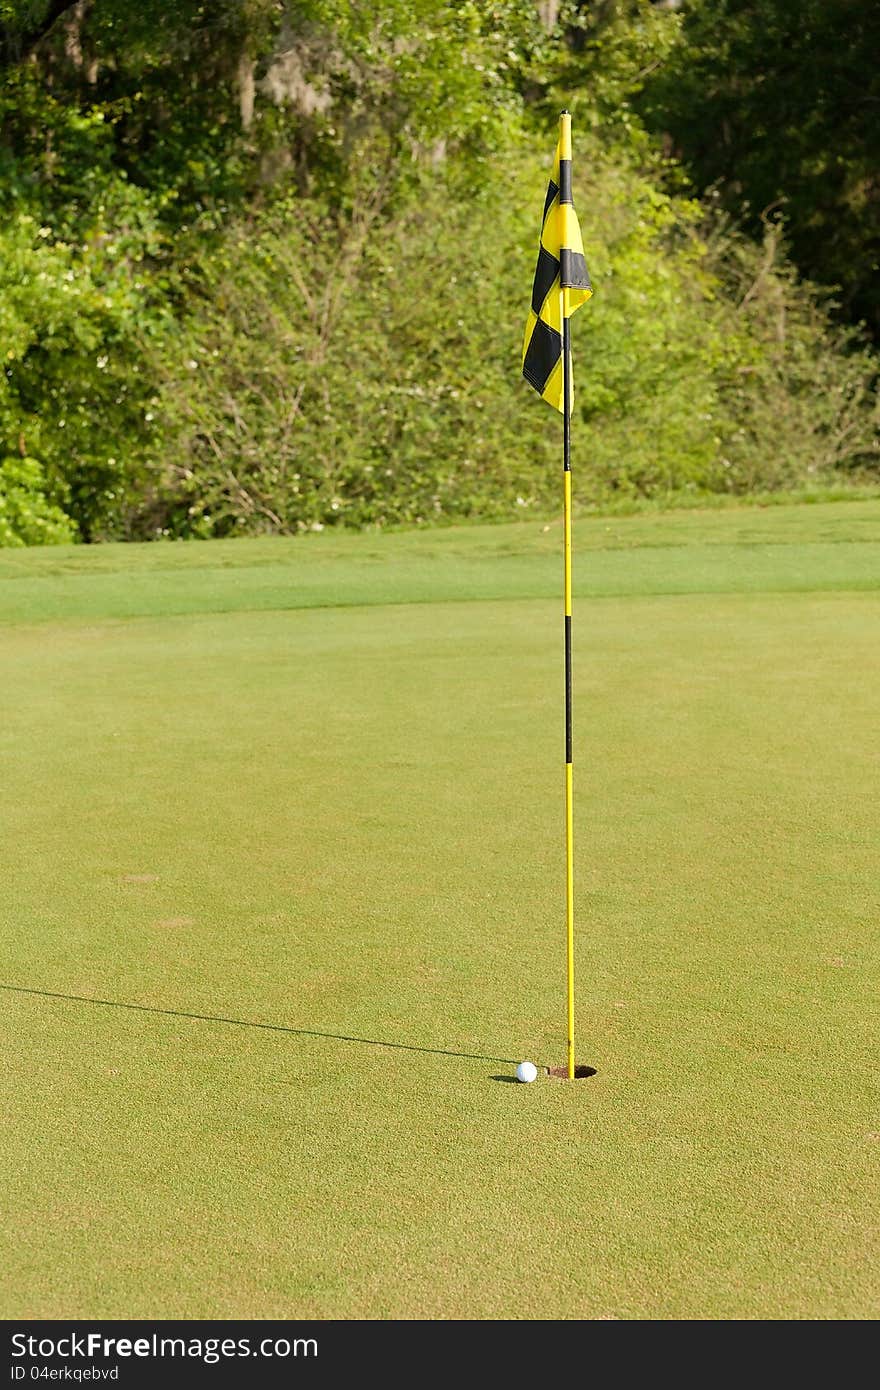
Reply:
x=389 y=391
x=288 y=292
x=712 y=368
x=775 y=104
x=27 y=516
x=73 y=393
x=595 y=62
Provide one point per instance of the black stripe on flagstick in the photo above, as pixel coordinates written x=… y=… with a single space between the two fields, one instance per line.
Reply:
x=542 y=354
x=552 y=190
x=546 y=272
x=573 y=271
x=565 y=181
x=567 y=688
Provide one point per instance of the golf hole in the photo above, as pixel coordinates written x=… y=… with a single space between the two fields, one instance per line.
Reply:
x=580 y=1073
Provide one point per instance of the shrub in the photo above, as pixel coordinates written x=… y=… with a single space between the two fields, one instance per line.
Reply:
x=74 y=391
x=365 y=370
x=27 y=516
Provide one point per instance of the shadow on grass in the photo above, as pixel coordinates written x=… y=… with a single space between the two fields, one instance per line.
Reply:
x=250 y=1023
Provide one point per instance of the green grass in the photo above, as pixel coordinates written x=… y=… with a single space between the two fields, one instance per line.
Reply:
x=315 y=785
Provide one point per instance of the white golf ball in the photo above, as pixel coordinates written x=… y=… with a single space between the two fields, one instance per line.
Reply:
x=526 y=1071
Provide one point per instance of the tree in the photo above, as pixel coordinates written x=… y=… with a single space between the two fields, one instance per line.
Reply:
x=776 y=105
x=24 y=23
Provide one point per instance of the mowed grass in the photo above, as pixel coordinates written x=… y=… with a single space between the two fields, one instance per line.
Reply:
x=293 y=808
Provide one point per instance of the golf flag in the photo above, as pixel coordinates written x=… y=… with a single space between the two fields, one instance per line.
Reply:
x=562 y=285
x=562 y=282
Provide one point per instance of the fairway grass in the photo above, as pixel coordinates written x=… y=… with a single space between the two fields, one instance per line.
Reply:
x=283 y=906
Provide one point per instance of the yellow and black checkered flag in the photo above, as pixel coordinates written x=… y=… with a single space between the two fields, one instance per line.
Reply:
x=562 y=282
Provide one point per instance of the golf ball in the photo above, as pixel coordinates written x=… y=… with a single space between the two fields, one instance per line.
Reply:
x=526 y=1071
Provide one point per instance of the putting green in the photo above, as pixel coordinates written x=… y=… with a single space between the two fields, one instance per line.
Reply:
x=293 y=809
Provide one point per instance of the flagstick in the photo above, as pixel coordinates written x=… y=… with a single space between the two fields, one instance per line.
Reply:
x=569 y=803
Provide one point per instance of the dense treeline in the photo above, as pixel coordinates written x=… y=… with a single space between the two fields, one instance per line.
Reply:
x=774 y=106
x=263 y=265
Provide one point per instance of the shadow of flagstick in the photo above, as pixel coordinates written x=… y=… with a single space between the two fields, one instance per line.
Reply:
x=250 y=1023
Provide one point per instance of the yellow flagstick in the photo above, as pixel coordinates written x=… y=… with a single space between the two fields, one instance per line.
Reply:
x=569 y=787
x=565 y=153
x=561 y=286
